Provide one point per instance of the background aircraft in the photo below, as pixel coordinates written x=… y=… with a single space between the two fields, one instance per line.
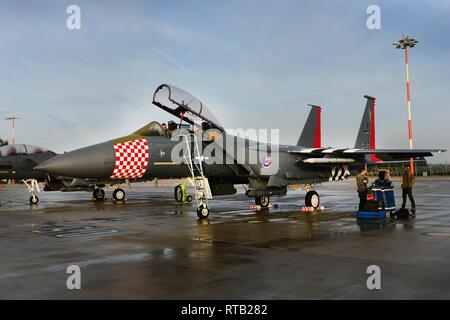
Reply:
x=17 y=162
x=147 y=154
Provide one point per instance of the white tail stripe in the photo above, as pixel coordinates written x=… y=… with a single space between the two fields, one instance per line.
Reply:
x=309 y=150
x=351 y=150
x=329 y=150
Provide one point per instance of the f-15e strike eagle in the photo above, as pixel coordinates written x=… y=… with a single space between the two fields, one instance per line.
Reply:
x=17 y=162
x=199 y=148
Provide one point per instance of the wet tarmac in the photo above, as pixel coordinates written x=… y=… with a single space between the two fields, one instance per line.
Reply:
x=152 y=248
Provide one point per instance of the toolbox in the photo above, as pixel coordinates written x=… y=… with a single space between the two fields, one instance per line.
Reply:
x=379 y=214
x=385 y=197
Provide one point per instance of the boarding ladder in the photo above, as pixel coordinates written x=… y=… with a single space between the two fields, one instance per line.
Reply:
x=194 y=160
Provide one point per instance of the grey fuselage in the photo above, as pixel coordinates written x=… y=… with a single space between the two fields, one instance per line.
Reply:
x=107 y=160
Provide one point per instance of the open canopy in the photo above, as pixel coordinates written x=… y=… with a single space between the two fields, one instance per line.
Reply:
x=16 y=149
x=183 y=105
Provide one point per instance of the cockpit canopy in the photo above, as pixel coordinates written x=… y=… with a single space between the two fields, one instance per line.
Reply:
x=16 y=149
x=184 y=106
x=151 y=129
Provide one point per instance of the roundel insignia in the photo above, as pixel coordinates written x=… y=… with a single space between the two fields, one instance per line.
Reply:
x=266 y=162
x=131 y=159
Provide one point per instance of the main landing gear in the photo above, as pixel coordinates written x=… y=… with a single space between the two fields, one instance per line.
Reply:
x=263 y=201
x=99 y=194
x=118 y=194
x=312 y=199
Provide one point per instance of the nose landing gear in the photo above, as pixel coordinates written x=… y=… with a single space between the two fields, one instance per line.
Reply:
x=34 y=199
x=33 y=187
x=203 y=211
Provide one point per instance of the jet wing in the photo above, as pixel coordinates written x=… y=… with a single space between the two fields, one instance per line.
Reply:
x=184 y=106
x=342 y=155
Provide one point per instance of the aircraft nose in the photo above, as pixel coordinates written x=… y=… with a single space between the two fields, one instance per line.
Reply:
x=93 y=162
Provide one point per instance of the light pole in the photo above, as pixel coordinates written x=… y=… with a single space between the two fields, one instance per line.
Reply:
x=404 y=43
x=13 y=119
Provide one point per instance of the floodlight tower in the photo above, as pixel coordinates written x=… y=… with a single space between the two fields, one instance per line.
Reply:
x=404 y=43
x=13 y=119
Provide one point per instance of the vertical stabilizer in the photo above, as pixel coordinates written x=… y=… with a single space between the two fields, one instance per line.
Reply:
x=311 y=133
x=366 y=133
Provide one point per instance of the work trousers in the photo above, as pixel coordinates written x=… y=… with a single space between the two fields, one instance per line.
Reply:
x=362 y=199
x=408 y=192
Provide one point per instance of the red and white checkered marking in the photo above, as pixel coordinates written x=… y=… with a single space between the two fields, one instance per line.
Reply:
x=131 y=159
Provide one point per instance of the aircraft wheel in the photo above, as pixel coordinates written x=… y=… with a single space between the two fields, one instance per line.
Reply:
x=189 y=198
x=178 y=192
x=312 y=199
x=262 y=201
x=119 y=194
x=98 y=194
x=203 y=212
x=34 y=200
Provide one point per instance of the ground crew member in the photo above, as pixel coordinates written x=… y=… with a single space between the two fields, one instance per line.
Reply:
x=383 y=179
x=408 y=182
x=361 y=183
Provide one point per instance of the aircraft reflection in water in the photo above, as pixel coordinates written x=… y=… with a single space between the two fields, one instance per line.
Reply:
x=198 y=147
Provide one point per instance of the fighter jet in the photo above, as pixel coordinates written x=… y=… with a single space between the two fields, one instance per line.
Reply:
x=17 y=162
x=198 y=147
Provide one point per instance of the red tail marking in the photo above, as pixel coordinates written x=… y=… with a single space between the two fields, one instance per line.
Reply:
x=317 y=136
x=373 y=157
x=372 y=126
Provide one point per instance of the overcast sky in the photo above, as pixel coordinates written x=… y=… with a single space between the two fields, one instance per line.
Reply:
x=255 y=64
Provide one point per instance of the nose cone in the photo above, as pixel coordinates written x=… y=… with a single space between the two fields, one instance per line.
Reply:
x=93 y=162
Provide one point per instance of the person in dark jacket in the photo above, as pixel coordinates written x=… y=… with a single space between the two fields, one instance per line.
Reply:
x=383 y=179
x=407 y=184
x=361 y=184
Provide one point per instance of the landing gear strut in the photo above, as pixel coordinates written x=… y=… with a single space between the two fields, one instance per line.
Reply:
x=312 y=199
x=262 y=201
x=118 y=194
x=98 y=194
x=33 y=187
